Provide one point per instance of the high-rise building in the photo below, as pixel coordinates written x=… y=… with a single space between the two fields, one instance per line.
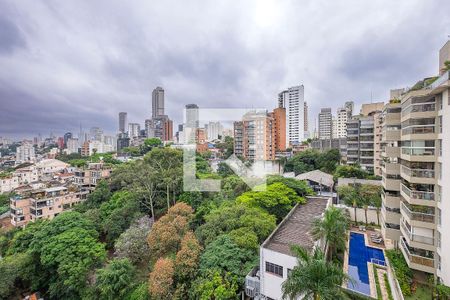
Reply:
x=123 y=141
x=67 y=135
x=325 y=123
x=293 y=100
x=360 y=142
x=25 y=152
x=279 y=116
x=122 y=122
x=149 y=128
x=415 y=214
x=306 y=120
x=334 y=128
x=213 y=130
x=72 y=145
x=96 y=134
x=134 y=130
x=157 y=102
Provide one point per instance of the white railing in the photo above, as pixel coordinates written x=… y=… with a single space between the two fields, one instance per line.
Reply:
x=417 y=216
x=415 y=237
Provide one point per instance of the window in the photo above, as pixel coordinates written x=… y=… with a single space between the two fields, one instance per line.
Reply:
x=274 y=269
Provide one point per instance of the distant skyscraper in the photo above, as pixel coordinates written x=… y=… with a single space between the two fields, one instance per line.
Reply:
x=213 y=130
x=325 y=123
x=122 y=122
x=305 y=120
x=96 y=134
x=293 y=101
x=133 y=130
x=157 y=102
x=67 y=136
x=25 y=152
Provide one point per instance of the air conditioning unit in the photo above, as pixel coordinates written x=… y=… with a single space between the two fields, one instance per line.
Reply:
x=250 y=291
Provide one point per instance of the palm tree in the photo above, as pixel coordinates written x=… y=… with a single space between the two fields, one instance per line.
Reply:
x=332 y=228
x=370 y=196
x=314 y=277
x=350 y=197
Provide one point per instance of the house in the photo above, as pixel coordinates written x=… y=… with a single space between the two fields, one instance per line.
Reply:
x=276 y=258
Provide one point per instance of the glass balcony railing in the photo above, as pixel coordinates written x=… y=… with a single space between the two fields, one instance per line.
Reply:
x=419 y=195
x=415 y=237
x=421 y=173
x=418 y=130
x=441 y=80
x=417 y=216
x=416 y=108
x=417 y=259
x=418 y=151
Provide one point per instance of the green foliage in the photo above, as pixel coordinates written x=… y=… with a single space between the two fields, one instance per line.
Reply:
x=115 y=280
x=332 y=228
x=101 y=194
x=277 y=199
x=69 y=256
x=139 y=293
x=149 y=144
x=117 y=214
x=232 y=217
x=14 y=269
x=350 y=171
x=224 y=170
x=224 y=255
x=233 y=186
x=311 y=159
x=202 y=165
x=377 y=283
x=402 y=272
x=313 y=277
x=226 y=147
x=299 y=186
x=215 y=286
x=245 y=238
x=388 y=286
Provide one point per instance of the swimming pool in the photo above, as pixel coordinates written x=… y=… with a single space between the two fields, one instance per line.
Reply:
x=359 y=255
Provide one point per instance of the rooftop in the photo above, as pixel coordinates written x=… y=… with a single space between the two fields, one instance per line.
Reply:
x=318 y=177
x=296 y=226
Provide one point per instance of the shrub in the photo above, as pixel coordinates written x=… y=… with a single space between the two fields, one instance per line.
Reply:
x=402 y=272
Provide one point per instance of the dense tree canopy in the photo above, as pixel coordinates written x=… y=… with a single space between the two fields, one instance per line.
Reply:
x=311 y=159
x=278 y=199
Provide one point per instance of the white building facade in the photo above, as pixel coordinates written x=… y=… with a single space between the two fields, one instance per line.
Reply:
x=293 y=100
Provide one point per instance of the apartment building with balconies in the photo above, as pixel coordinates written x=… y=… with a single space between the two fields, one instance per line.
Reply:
x=424 y=169
x=390 y=170
x=34 y=204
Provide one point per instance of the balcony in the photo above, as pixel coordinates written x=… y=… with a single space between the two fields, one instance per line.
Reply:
x=416 y=238
x=439 y=84
x=423 y=176
x=417 y=216
x=416 y=261
x=416 y=197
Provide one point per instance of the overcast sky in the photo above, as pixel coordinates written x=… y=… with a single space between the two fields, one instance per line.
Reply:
x=63 y=63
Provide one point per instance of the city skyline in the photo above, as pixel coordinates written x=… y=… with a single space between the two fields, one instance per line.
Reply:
x=57 y=73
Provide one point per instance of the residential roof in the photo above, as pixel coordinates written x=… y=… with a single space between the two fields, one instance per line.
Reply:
x=347 y=181
x=296 y=226
x=317 y=176
x=55 y=189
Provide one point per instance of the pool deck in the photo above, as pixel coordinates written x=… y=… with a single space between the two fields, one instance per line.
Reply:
x=368 y=243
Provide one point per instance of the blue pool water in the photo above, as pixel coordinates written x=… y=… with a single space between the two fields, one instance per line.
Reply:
x=359 y=255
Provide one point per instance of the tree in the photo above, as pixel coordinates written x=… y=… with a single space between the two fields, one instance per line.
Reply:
x=14 y=269
x=350 y=197
x=69 y=257
x=224 y=255
x=167 y=163
x=118 y=213
x=313 y=277
x=373 y=192
x=215 y=286
x=161 y=279
x=115 y=280
x=149 y=144
x=167 y=233
x=332 y=228
x=229 y=217
x=301 y=187
x=224 y=170
x=278 y=199
x=100 y=195
x=329 y=160
x=226 y=147
x=187 y=259
x=132 y=243
x=350 y=171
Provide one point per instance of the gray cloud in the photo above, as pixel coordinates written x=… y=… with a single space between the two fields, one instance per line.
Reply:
x=63 y=63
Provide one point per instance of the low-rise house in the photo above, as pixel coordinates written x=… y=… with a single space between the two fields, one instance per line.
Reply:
x=89 y=176
x=276 y=258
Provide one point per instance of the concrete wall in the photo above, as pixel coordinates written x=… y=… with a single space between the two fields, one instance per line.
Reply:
x=360 y=216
